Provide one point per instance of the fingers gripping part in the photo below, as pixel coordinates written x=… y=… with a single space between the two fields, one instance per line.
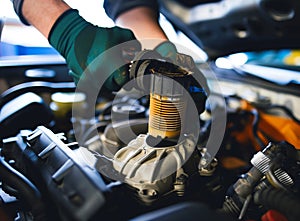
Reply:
x=166 y=55
x=167 y=50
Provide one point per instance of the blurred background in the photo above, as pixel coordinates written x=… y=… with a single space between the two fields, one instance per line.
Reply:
x=32 y=42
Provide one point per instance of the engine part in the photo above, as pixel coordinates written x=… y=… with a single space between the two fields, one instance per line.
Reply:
x=26 y=190
x=168 y=102
x=280 y=200
x=26 y=111
x=269 y=171
x=75 y=187
x=156 y=163
x=36 y=87
x=152 y=170
x=112 y=134
x=62 y=103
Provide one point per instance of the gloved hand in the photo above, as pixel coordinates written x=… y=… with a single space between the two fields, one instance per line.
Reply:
x=198 y=86
x=169 y=52
x=80 y=43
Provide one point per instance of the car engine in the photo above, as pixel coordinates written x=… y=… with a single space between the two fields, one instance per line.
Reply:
x=147 y=156
x=206 y=143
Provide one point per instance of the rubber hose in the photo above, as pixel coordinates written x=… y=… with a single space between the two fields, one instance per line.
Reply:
x=280 y=200
x=27 y=191
x=36 y=87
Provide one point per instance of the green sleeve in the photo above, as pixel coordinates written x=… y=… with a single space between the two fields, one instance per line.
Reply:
x=80 y=43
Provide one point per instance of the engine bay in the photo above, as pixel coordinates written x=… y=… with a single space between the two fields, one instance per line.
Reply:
x=215 y=141
x=145 y=156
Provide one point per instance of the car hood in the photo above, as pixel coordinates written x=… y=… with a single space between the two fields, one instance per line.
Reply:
x=230 y=26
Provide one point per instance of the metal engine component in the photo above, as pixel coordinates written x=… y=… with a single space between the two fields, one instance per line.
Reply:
x=26 y=111
x=74 y=186
x=267 y=173
x=153 y=170
x=168 y=101
x=154 y=163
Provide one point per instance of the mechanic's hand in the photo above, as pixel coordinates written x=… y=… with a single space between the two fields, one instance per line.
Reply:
x=198 y=87
x=165 y=56
x=169 y=52
x=80 y=43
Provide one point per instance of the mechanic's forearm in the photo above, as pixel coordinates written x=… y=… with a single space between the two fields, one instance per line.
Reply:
x=143 y=22
x=42 y=14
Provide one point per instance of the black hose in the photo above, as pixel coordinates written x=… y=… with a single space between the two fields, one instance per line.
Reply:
x=27 y=191
x=36 y=86
x=280 y=200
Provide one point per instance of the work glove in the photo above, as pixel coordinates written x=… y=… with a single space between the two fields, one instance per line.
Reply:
x=198 y=87
x=169 y=52
x=82 y=45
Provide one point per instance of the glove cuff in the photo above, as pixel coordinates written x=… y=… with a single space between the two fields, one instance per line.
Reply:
x=18 y=9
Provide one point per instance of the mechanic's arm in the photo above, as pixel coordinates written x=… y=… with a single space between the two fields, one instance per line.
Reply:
x=80 y=42
x=140 y=16
x=143 y=22
x=42 y=14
